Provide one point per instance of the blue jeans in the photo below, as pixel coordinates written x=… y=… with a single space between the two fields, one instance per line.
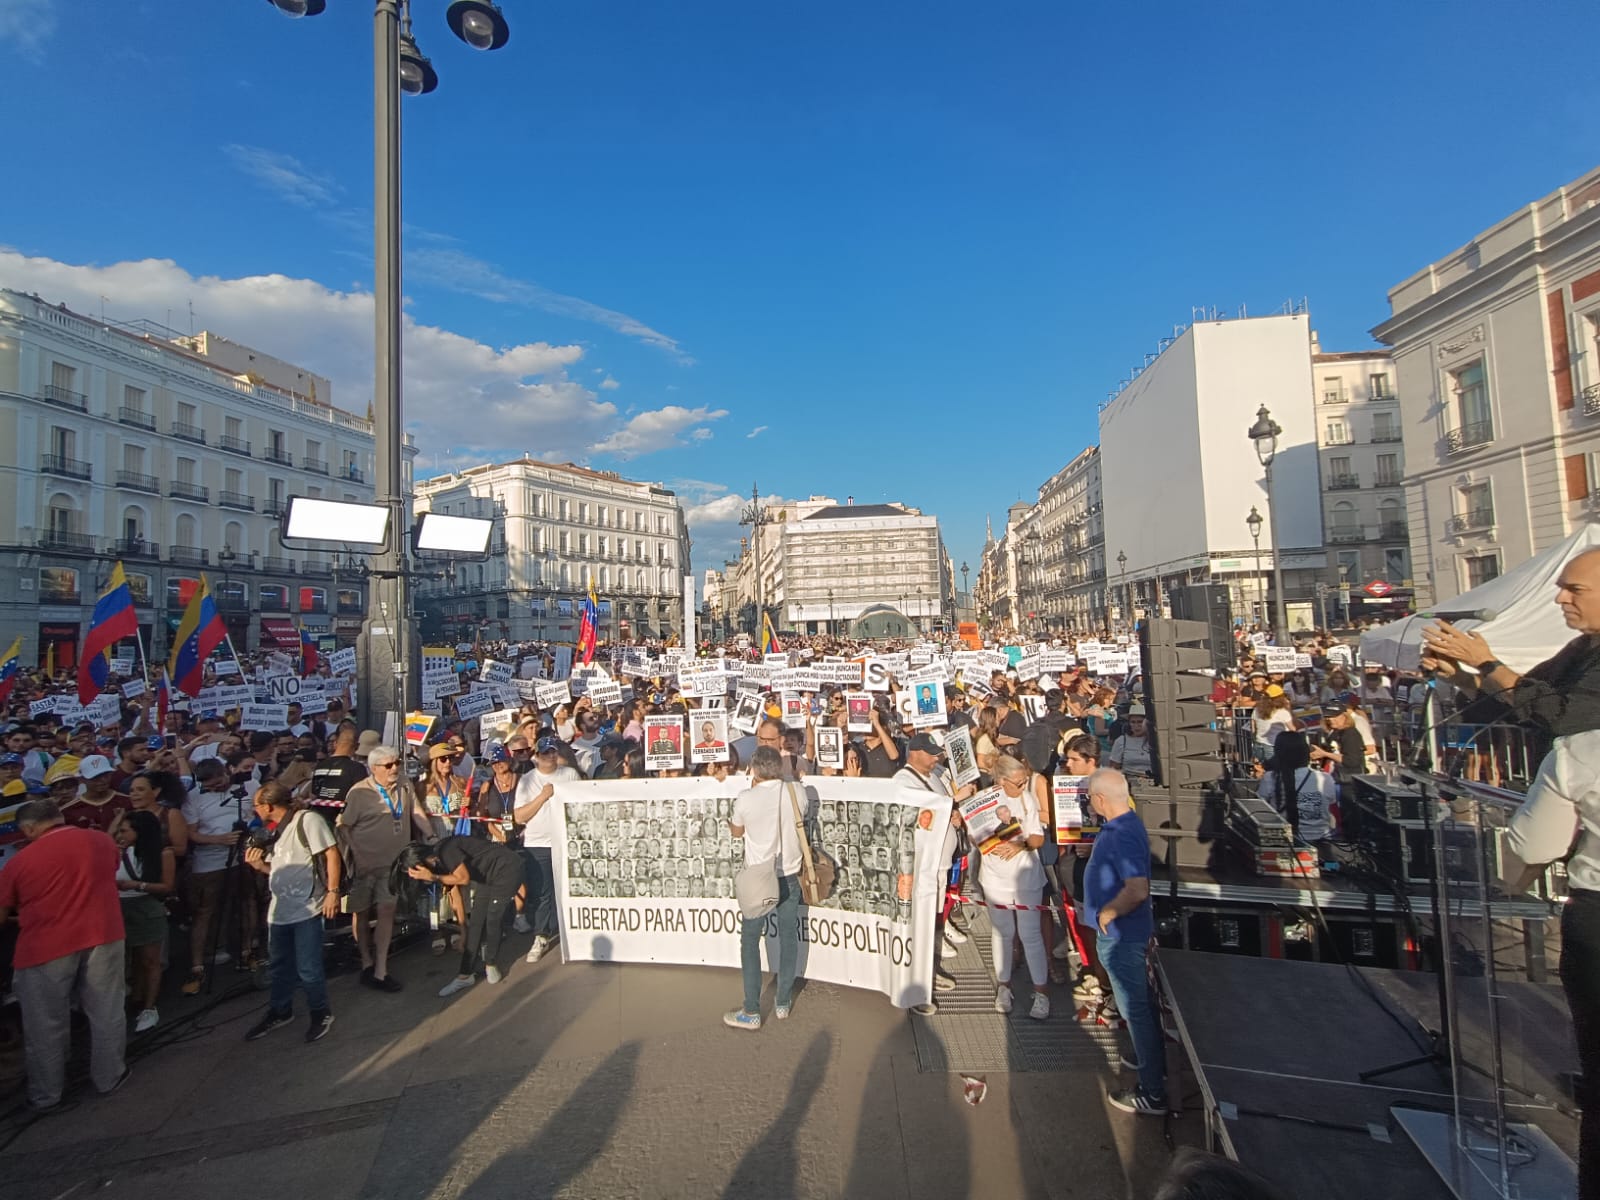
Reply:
x=539 y=877
x=1125 y=964
x=751 y=935
x=296 y=953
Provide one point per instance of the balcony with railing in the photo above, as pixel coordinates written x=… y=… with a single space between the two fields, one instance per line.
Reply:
x=64 y=397
x=1346 y=534
x=188 y=556
x=137 y=548
x=1343 y=483
x=1387 y=435
x=66 y=539
x=1394 y=531
x=273 y=454
x=1336 y=397
x=315 y=465
x=1474 y=520
x=353 y=474
x=274 y=508
x=179 y=490
x=1469 y=437
x=320 y=569
x=283 y=566
x=237 y=500
x=137 y=482
x=234 y=445
x=1388 y=479
x=67 y=468
x=1591 y=400
x=189 y=433
x=137 y=417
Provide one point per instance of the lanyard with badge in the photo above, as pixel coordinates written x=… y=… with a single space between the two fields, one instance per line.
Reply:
x=391 y=804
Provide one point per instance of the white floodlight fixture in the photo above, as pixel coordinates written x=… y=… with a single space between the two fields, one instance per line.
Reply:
x=307 y=519
x=440 y=534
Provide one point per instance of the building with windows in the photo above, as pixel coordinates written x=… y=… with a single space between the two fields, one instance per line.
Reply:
x=1362 y=460
x=826 y=565
x=557 y=528
x=1071 y=551
x=132 y=442
x=1497 y=365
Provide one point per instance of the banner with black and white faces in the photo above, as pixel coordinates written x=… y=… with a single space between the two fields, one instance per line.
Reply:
x=644 y=873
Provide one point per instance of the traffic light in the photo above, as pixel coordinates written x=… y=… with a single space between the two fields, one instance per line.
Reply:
x=1180 y=714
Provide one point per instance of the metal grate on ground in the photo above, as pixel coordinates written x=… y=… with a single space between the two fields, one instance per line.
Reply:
x=967 y=1034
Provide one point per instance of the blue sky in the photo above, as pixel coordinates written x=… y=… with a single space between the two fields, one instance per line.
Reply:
x=912 y=244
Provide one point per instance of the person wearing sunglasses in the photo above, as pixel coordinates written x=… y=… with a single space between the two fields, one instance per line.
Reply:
x=444 y=796
x=379 y=818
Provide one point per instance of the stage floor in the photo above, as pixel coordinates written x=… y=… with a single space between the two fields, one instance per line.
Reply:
x=1278 y=1048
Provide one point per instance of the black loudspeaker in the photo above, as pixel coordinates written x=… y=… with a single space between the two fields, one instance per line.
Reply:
x=1208 y=602
x=1177 y=695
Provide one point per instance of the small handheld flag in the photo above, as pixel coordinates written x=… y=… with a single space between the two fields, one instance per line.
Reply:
x=10 y=665
x=589 y=626
x=199 y=633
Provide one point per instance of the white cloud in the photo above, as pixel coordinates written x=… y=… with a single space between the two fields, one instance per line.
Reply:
x=712 y=513
x=285 y=175
x=609 y=384
x=465 y=401
x=757 y=431
x=658 y=429
x=26 y=25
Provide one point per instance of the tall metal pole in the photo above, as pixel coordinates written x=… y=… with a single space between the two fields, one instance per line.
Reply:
x=1280 y=625
x=761 y=599
x=1261 y=589
x=387 y=617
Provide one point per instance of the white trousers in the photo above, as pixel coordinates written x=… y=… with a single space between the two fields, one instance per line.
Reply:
x=1003 y=923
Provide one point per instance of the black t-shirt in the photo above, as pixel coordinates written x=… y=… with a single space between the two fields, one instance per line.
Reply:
x=489 y=863
x=879 y=765
x=332 y=778
x=1353 y=750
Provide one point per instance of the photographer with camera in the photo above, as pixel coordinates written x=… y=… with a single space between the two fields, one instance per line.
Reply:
x=296 y=852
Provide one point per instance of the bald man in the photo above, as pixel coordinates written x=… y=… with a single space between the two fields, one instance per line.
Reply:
x=1559 y=696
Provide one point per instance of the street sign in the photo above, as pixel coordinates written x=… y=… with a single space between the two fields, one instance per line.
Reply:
x=1378 y=588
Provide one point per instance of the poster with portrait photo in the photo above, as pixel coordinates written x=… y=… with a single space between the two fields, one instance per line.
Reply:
x=927 y=710
x=663 y=743
x=746 y=712
x=708 y=735
x=858 y=712
x=958 y=753
x=830 y=747
x=795 y=709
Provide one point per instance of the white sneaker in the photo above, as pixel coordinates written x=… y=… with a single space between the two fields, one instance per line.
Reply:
x=1003 y=999
x=955 y=936
x=948 y=949
x=459 y=984
x=491 y=974
x=520 y=924
x=146 y=1020
x=1040 y=1009
x=540 y=945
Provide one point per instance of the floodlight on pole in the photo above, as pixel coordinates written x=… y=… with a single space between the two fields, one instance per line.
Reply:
x=443 y=534
x=346 y=522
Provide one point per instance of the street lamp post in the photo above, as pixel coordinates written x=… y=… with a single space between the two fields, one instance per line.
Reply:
x=1253 y=522
x=1127 y=601
x=830 y=613
x=964 y=588
x=756 y=518
x=1264 y=433
x=397 y=66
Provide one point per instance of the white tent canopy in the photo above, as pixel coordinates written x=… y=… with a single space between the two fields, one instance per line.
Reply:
x=1527 y=628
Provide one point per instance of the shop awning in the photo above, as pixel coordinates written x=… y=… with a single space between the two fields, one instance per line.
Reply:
x=281 y=633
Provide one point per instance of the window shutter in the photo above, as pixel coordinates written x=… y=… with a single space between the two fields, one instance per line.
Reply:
x=1577 y=476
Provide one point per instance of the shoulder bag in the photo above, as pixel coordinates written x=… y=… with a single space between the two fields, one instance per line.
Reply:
x=755 y=885
x=817 y=871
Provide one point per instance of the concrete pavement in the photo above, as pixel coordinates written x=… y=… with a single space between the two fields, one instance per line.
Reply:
x=580 y=1080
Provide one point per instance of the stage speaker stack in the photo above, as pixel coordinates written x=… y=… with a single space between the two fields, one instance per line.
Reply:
x=1186 y=805
x=1208 y=602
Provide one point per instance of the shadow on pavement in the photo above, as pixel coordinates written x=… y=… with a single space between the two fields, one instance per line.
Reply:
x=769 y=1169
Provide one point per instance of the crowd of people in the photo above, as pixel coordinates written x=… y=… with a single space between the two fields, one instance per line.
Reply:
x=243 y=846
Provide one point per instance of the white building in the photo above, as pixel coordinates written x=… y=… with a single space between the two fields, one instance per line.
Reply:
x=116 y=442
x=1497 y=363
x=1180 y=476
x=559 y=526
x=1363 y=483
x=1072 y=549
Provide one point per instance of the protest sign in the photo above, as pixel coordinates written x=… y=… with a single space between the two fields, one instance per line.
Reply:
x=1033 y=706
x=607 y=691
x=858 y=712
x=958 y=753
x=343 y=662
x=708 y=729
x=225 y=666
x=746 y=712
x=1339 y=652
x=697 y=684
x=981 y=814
x=122 y=662
x=928 y=710
x=234 y=696
x=474 y=704
x=843 y=674
x=1279 y=659
x=806 y=679
x=497 y=724
x=313 y=704
x=644 y=873
x=794 y=709
x=663 y=743
x=133 y=688
x=1302 y=662
x=875 y=675
x=552 y=694
x=270 y=717
x=830 y=747
x=495 y=672
x=105 y=710
x=38 y=708
x=562 y=665
x=1075 y=820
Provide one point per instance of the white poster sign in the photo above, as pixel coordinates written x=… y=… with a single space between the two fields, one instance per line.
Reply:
x=830 y=747
x=553 y=694
x=962 y=761
x=495 y=672
x=663 y=743
x=270 y=717
x=474 y=704
x=708 y=734
x=343 y=662
x=1279 y=659
x=644 y=873
x=747 y=712
x=858 y=712
x=133 y=688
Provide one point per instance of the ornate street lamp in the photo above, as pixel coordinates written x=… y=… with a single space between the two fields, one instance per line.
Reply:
x=1264 y=433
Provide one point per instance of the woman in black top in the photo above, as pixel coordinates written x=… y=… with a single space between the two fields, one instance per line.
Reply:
x=494 y=873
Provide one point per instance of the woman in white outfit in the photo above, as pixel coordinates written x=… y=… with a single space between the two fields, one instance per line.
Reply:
x=1012 y=875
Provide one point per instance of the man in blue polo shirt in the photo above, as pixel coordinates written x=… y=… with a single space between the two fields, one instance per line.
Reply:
x=1117 y=889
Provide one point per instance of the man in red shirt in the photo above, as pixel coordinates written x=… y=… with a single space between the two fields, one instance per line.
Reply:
x=63 y=888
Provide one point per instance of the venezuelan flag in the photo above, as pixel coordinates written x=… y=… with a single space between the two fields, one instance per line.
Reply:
x=199 y=633
x=589 y=626
x=769 y=638
x=308 y=652
x=9 y=666
x=113 y=620
x=163 y=698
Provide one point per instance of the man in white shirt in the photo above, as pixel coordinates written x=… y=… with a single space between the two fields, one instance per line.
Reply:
x=533 y=812
x=925 y=771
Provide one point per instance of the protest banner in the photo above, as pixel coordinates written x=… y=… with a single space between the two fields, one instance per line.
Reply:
x=644 y=873
x=958 y=753
x=270 y=717
x=708 y=732
x=663 y=743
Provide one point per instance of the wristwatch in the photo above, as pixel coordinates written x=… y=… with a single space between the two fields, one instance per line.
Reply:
x=1485 y=669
